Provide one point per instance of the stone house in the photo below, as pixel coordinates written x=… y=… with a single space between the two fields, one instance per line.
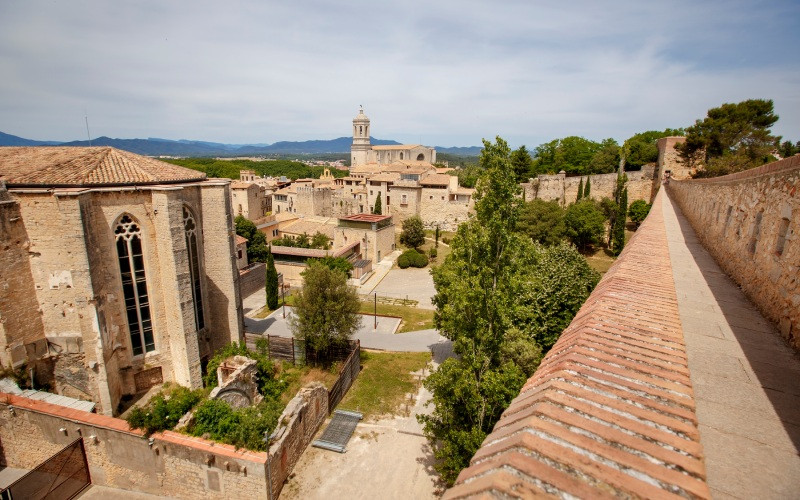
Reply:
x=117 y=271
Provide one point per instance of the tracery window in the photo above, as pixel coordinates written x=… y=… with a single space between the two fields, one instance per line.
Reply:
x=190 y=229
x=134 y=284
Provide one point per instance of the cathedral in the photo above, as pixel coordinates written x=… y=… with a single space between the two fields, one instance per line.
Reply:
x=363 y=153
x=117 y=271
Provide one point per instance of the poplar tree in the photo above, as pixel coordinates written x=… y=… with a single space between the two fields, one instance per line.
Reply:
x=580 y=191
x=619 y=228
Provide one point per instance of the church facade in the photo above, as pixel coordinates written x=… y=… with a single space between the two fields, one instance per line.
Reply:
x=363 y=153
x=117 y=272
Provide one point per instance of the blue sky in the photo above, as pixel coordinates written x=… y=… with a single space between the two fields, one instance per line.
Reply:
x=444 y=73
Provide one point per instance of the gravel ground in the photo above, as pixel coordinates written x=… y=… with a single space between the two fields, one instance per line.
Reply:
x=385 y=459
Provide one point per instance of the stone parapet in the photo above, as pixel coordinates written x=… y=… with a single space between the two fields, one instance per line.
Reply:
x=610 y=412
x=748 y=221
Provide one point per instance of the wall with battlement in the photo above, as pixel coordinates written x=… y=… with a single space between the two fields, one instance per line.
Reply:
x=564 y=190
x=749 y=222
x=610 y=411
x=168 y=463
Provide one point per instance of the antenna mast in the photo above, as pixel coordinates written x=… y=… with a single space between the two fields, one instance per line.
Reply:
x=88 y=136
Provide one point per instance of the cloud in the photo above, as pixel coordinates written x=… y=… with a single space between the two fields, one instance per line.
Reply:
x=448 y=73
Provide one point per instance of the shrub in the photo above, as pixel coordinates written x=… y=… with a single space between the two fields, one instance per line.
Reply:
x=445 y=240
x=243 y=428
x=433 y=252
x=403 y=261
x=164 y=410
x=412 y=258
x=638 y=211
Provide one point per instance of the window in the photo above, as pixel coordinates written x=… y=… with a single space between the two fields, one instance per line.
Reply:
x=134 y=284
x=401 y=155
x=783 y=229
x=755 y=233
x=239 y=252
x=190 y=230
x=420 y=157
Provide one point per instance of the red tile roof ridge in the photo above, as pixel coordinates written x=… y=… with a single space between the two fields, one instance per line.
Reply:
x=610 y=410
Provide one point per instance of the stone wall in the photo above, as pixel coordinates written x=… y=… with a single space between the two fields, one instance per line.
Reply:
x=303 y=415
x=252 y=278
x=564 y=190
x=749 y=222
x=436 y=208
x=166 y=464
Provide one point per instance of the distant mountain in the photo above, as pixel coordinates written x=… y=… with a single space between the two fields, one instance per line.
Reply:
x=155 y=146
x=465 y=151
x=13 y=140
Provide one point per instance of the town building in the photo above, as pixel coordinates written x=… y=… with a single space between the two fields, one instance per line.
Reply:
x=117 y=271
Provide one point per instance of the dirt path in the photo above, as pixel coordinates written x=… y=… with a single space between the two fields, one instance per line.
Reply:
x=385 y=459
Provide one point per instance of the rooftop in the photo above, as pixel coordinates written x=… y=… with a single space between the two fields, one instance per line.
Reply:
x=366 y=218
x=395 y=147
x=65 y=166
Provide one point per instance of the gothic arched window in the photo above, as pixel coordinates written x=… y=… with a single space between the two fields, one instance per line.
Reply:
x=190 y=230
x=134 y=285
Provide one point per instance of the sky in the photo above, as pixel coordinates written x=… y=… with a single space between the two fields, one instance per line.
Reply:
x=440 y=73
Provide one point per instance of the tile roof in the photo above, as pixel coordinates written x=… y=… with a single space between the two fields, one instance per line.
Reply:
x=240 y=240
x=242 y=184
x=366 y=217
x=610 y=412
x=65 y=166
x=436 y=180
x=309 y=227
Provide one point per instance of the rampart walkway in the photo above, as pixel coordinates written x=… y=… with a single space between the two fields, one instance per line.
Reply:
x=746 y=379
x=668 y=383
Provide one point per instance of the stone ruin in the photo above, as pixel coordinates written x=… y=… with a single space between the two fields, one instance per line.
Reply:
x=237 y=382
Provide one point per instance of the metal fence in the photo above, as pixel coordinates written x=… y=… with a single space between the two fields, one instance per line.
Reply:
x=61 y=476
x=347 y=374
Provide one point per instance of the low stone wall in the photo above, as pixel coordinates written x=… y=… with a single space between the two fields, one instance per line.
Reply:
x=749 y=222
x=563 y=189
x=303 y=415
x=167 y=463
x=252 y=278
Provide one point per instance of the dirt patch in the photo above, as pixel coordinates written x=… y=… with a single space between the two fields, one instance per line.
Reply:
x=387 y=459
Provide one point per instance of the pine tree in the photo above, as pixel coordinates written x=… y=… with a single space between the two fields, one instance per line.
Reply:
x=272 y=283
x=588 y=188
x=378 y=208
x=580 y=191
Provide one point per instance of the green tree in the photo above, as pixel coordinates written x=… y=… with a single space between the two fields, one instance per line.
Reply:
x=606 y=158
x=245 y=227
x=321 y=241
x=272 y=283
x=437 y=236
x=378 y=208
x=732 y=137
x=542 y=222
x=618 y=241
x=584 y=223
x=413 y=234
x=499 y=298
x=638 y=211
x=576 y=155
x=642 y=148
x=588 y=189
x=326 y=309
x=580 y=191
x=337 y=264
x=522 y=163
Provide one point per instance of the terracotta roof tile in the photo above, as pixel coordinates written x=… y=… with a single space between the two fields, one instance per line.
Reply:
x=62 y=166
x=610 y=411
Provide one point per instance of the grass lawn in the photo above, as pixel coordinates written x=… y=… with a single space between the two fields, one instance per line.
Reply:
x=602 y=258
x=412 y=318
x=384 y=383
x=300 y=376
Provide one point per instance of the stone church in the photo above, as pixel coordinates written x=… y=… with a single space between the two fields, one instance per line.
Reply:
x=117 y=271
x=362 y=152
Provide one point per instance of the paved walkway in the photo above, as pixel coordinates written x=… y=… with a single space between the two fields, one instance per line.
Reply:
x=382 y=338
x=745 y=378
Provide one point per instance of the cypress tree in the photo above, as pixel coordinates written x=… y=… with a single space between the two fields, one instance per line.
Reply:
x=437 y=235
x=580 y=191
x=272 y=282
x=619 y=228
x=378 y=208
x=588 y=187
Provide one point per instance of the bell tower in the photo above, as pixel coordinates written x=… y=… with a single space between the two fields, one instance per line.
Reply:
x=361 y=145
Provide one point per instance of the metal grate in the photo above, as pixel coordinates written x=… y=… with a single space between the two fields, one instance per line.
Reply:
x=339 y=431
